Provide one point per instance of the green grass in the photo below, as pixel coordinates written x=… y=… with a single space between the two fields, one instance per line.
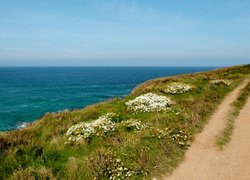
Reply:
x=225 y=136
x=39 y=150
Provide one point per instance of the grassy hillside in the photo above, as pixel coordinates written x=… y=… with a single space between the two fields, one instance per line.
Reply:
x=124 y=138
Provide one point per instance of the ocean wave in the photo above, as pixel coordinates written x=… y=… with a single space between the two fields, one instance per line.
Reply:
x=64 y=110
x=21 y=125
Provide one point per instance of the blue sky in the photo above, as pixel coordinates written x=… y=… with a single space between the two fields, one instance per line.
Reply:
x=124 y=32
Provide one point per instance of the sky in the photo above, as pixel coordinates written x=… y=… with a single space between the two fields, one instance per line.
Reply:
x=124 y=32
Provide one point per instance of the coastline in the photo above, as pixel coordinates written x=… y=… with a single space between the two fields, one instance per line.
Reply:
x=137 y=142
x=21 y=125
x=28 y=94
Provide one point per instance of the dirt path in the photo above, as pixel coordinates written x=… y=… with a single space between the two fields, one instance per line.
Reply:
x=204 y=161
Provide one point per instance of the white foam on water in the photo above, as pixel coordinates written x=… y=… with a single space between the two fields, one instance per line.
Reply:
x=22 y=125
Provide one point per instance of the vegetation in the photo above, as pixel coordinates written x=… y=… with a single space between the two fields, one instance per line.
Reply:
x=225 y=136
x=121 y=144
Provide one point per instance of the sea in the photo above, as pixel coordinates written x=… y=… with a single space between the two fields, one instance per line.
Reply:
x=27 y=93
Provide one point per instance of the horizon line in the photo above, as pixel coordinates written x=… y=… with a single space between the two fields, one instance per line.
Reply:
x=120 y=66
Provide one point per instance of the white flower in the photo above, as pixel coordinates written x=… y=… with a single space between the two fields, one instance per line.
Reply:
x=177 y=88
x=98 y=127
x=134 y=124
x=148 y=103
x=117 y=170
x=221 y=81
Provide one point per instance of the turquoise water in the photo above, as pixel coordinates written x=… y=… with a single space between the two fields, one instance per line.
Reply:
x=27 y=93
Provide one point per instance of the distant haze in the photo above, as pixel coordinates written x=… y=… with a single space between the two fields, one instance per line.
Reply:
x=124 y=32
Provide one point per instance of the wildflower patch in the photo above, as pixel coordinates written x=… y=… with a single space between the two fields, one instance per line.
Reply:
x=135 y=125
x=149 y=102
x=221 y=82
x=107 y=164
x=102 y=126
x=177 y=88
x=179 y=135
x=98 y=127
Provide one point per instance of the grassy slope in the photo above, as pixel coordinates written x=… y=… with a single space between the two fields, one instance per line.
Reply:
x=39 y=151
